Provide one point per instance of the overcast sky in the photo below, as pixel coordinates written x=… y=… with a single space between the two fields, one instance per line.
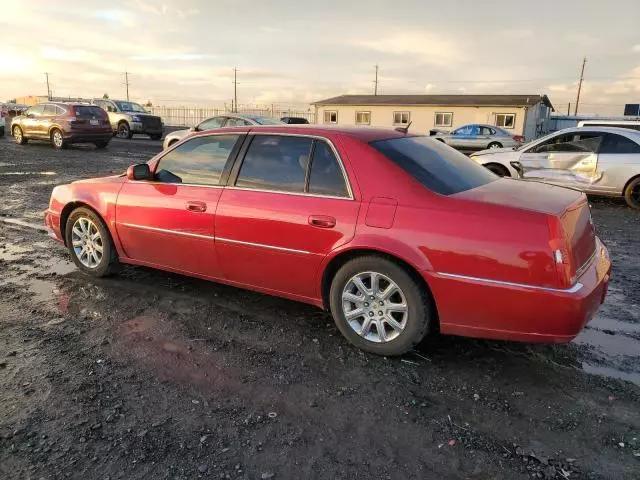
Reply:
x=297 y=51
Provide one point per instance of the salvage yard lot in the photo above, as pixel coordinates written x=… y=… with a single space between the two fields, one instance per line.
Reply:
x=153 y=375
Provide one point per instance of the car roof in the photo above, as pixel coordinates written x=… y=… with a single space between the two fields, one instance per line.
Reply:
x=589 y=128
x=364 y=134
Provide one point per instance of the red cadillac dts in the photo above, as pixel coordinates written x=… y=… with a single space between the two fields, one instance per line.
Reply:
x=397 y=235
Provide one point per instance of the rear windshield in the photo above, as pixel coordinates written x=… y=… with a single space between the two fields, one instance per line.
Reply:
x=266 y=120
x=88 y=111
x=437 y=166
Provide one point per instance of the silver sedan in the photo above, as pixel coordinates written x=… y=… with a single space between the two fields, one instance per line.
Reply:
x=476 y=136
x=597 y=160
x=227 y=120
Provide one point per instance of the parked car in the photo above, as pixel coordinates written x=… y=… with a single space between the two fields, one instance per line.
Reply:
x=128 y=118
x=62 y=124
x=7 y=112
x=478 y=137
x=227 y=120
x=597 y=160
x=294 y=120
x=396 y=235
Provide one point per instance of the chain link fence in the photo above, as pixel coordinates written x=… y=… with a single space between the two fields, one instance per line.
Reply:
x=188 y=116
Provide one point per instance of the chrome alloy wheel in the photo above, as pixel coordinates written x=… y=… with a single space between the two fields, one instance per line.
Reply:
x=87 y=242
x=17 y=134
x=58 y=140
x=374 y=306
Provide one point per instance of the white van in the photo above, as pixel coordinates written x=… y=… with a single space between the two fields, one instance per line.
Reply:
x=632 y=124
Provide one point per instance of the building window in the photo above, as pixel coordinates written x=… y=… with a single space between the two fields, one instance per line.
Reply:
x=443 y=119
x=506 y=120
x=330 y=116
x=363 y=118
x=401 y=118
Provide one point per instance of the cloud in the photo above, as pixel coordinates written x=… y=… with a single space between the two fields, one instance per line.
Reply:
x=116 y=17
x=70 y=55
x=635 y=48
x=421 y=46
x=166 y=57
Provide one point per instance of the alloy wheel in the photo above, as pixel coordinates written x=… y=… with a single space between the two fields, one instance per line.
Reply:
x=87 y=242
x=375 y=307
x=123 y=131
x=57 y=139
x=17 y=134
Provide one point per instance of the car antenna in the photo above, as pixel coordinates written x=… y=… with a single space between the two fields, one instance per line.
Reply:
x=404 y=130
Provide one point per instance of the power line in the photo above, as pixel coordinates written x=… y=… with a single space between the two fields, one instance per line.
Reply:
x=584 y=61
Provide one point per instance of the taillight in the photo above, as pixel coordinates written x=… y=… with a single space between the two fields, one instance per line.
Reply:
x=561 y=253
x=518 y=138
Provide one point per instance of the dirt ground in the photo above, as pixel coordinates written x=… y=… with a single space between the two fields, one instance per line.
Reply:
x=152 y=375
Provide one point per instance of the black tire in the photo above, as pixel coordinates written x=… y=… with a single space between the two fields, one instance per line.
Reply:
x=156 y=137
x=18 y=136
x=124 y=131
x=494 y=145
x=57 y=139
x=102 y=144
x=498 y=169
x=420 y=314
x=632 y=193
x=108 y=263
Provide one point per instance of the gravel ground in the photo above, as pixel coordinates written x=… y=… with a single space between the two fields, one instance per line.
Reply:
x=153 y=375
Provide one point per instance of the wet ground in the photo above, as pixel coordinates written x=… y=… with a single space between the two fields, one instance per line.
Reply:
x=152 y=375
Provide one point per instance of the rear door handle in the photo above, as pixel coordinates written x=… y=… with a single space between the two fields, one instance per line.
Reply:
x=197 y=206
x=322 y=221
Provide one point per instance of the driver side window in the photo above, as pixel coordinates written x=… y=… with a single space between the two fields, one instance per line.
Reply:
x=199 y=161
x=571 y=142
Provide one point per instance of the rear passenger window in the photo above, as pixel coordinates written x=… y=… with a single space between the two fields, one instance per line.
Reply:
x=49 y=110
x=199 y=161
x=619 y=144
x=326 y=176
x=275 y=163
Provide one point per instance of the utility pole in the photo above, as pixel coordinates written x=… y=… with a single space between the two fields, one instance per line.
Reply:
x=569 y=109
x=584 y=61
x=235 y=90
x=126 y=82
x=375 y=82
x=46 y=74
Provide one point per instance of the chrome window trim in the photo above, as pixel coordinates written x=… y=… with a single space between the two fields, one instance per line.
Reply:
x=262 y=245
x=164 y=230
x=152 y=182
x=576 y=288
x=345 y=177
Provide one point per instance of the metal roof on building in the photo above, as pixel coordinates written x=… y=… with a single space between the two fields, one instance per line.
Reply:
x=448 y=100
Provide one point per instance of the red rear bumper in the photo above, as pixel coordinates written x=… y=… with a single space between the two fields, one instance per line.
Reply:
x=474 y=307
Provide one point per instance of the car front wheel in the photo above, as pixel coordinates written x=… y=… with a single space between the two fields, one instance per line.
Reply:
x=379 y=307
x=90 y=244
x=632 y=193
x=18 y=136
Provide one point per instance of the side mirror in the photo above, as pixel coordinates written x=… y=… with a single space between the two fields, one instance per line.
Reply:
x=30 y=115
x=193 y=129
x=140 y=171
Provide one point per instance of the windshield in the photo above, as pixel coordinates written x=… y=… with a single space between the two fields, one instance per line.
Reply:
x=266 y=121
x=437 y=166
x=130 y=107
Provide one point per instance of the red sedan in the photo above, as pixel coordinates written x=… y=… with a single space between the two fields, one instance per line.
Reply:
x=397 y=235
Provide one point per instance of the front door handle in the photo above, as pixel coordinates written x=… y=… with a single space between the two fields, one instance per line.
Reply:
x=197 y=206
x=322 y=221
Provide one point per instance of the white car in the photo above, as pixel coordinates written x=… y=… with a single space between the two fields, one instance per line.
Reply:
x=597 y=160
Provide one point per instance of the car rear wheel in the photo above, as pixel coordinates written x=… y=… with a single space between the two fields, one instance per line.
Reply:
x=124 y=131
x=498 y=169
x=495 y=145
x=378 y=307
x=57 y=139
x=155 y=137
x=18 y=136
x=90 y=244
x=632 y=193
x=101 y=144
